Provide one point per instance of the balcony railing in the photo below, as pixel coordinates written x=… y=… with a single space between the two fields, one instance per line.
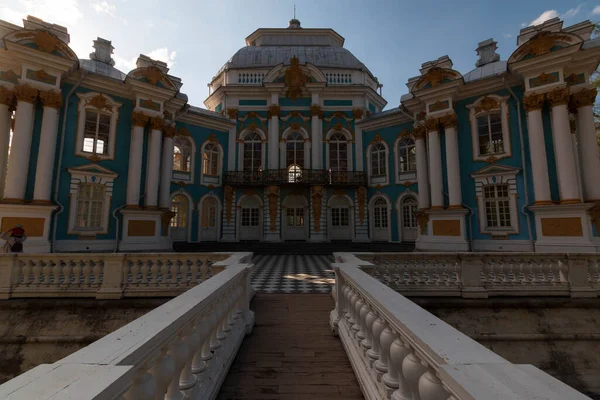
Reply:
x=296 y=177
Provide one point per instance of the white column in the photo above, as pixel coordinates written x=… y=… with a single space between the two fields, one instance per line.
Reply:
x=358 y=115
x=590 y=157
x=435 y=163
x=452 y=161
x=166 y=171
x=232 y=113
x=316 y=135
x=563 y=145
x=134 y=174
x=46 y=154
x=539 y=164
x=422 y=176
x=18 y=161
x=273 y=139
x=153 y=169
x=6 y=98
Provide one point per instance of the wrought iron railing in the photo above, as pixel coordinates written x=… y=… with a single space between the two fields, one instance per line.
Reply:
x=296 y=177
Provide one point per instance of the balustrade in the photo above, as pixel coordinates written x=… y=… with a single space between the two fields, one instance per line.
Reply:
x=338 y=78
x=165 y=354
x=285 y=177
x=108 y=275
x=250 y=78
x=399 y=351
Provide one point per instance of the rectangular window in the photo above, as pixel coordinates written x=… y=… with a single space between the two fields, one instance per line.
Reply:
x=249 y=217
x=497 y=206
x=96 y=132
x=489 y=130
x=90 y=206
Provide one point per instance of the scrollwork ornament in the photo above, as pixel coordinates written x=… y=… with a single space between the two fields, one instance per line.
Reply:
x=585 y=97
x=361 y=195
x=422 y=220
x=232 y=113
x=316 y=111
x=157 y=123
x=558 y=97
x=139 y=119
x=448 y=121
x=26 y=93
x=169 y=131
x=533 y=101
x=432 y=124
x=51 y=98
x=357 y=113
x=6 y=96
x=419 y=132
x=274 y=111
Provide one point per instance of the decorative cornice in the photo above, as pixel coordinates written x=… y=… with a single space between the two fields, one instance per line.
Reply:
x=534 y=101
x=357 y=113
x=448 y=121
x=585 y=97
x=419 y=132
x=543 y=43
x=232 y=113
x=100 y=102
x=46 y=41
x=139 y=119
x=169 y=131
x=432 y=124
x=6 y=96
x=26 y=93
x=273 y=111
x=487 y=104
x=51 y=98
x=558 y=97
x=157 y=123
x=316 y=111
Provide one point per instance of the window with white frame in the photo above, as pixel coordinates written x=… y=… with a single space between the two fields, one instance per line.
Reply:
x=182 y=155
x=378 y=158
x=407 y=156
x=90 y=199
x=340 y=217
x=338 y=152
x=380 y=213
x=250 y=217
x=179 y=206
x=98 y=115
x=252 y=152
x=210 y=160
x=490 y=131
x=294 y=153
x=497 y=206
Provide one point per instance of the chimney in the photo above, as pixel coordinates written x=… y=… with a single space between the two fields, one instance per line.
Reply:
x=103 y=50
x=486 y=51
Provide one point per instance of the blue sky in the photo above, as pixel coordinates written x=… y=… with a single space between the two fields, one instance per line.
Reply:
x=392 y=38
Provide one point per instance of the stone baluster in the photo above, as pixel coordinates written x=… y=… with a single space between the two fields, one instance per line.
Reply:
x=412 y=370
x=566 y=167
x=20 y=148
x=214 y=341
x=6 y=101
x=452 y=161
x=222 y=334
x=152 y=174
x=166 y=172
x=353 y=299
x=192 y=339
x=362 y=333
x=143 y=386
x=431 y=387
x=386 y=339
x=178 y=353
x=163 y=371
x=52 y=101
x=590 y=157
x=435 y=163
x=419 y=133
x=203 y=353
x=375 y=352
x=533 y=104
x=357 y=321
x=138 y=122
x=370 y=319
x=398 y=352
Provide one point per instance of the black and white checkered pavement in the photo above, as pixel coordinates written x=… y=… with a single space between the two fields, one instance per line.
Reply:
x=292 y=273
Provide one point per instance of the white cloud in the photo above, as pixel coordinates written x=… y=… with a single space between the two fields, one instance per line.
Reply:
x=507 y=35
x=572 y=12
x=596 y=10
x=105 y=7
x=62 y=12
x=545 y=16
x=124 y=64
x=162 y=54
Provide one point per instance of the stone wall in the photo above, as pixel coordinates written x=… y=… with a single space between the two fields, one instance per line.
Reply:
x=559 y=336
x=38 y=331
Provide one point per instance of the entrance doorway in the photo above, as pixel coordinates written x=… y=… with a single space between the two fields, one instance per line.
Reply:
x=294 y=217
x=209 y=219
x=339 y=219
x=250 y=219
x=180 y=205
x=381 y=231
x=408 y=212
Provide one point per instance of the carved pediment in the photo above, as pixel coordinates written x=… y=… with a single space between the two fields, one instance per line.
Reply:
x=495 y=169
x=92 y=169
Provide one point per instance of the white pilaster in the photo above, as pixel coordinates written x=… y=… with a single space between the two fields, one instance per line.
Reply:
x=358 y=115
x=153 y=170
x=4 y=138
x=47 y=150
x=166 y=171
x=138 y=121
x=563 y=147
x=452 y=161
x=18 y=161
x=316 y=134
x=422 y=176
x=435 y=164
x=232 y=113
x=539 y=163
x=590 y=157
x=273 y=139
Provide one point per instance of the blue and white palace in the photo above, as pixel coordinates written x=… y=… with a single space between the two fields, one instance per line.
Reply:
x=294 y=146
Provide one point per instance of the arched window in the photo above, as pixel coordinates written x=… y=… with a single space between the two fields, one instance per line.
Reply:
x=210 y=160
x=252 y=152
x=182 y=154
x=294 y=173
x=338 y=152
x=489 y=131
x=409 y=212
x=378 y=161
x=209 y=213
x=294 y=153
x=380 y=213
x=90 y=206
x=407 y=156
x=179 y=205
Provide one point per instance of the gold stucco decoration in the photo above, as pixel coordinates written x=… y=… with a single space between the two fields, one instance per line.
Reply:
x=212 y=138
x=361 y=196
x=46 y=41
x=570 y=226
x=558 y=96
x=316 y=193
x=26 y=93
x=295 y=79
x=357 y=113
x=432 y=124
x=232 y=113
x=183 y=132
x=491 y=159
x=534 y=101
x=449 y=121
x=157 y=123
x=228 y=198
x=419 y=132
x=487 y=104
x=6 y=96
x=139 y=119
x=11 y=76
x=100 y=102
x=405 y=134
x=51 y=98
x=169 y=131
x=446 y=227
x=376 y=139
x=273 y=111
x=543 y=43
x=273 y=197
x=585 y=97
x=422 y=220
x=435 y=76
x=152 y=74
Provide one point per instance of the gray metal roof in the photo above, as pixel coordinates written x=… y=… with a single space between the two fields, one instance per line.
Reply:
x=270 y=56
x=485 y=71
x=208 y=113
x=102 y=68
x=588 y=44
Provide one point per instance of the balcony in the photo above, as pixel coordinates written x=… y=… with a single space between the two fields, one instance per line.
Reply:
x=296 y=176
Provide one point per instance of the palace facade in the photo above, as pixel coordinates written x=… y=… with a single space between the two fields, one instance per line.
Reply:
x=294 y=146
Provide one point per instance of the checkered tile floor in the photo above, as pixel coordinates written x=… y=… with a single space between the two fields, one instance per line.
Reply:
x=292 y=274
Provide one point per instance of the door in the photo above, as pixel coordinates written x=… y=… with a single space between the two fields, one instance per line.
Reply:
x=409 y=209
x=339 y=217
x=209 y=220
x=250 y=219
x=294 y=218
x=179 y=222
x=380 y=221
